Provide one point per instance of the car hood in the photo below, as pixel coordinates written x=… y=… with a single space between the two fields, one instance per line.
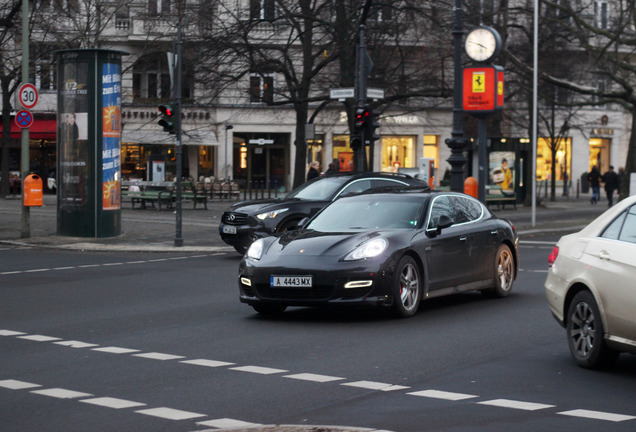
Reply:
x=311 y=243
x=255 y=206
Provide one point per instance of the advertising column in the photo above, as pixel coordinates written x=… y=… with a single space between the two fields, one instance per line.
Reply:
x=89 y=143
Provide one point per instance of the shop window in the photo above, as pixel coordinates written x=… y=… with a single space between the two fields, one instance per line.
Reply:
x=599 y=153
x=431 y=148
x=315 y=151
x=261 y=88
x=206 y=161
x=562 y=159
x=398 y=152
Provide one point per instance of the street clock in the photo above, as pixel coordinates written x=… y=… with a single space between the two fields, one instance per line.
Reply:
x=483 y=44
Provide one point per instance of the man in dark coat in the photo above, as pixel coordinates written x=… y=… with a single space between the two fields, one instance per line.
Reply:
x=610 y=178
x=594 y=178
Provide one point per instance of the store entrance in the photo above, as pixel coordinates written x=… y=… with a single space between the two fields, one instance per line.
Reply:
x=261 y=164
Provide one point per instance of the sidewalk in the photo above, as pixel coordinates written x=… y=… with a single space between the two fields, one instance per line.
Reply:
x=155 y=231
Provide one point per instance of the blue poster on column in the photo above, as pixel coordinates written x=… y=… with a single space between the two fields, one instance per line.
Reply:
x=111 y=130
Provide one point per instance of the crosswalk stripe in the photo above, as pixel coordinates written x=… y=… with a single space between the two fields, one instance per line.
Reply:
x=314 y=377
x=597 y=415
x=437 y=394
x=114 y=403
x=61 y=393
x=259 y=370
x=506 y=403
x=170 y=413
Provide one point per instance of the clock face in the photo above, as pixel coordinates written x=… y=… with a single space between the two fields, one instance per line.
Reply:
x=481 y=44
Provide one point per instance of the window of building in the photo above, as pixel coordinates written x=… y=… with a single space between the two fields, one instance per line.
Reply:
x=601 y=14
x=155 y=5
x=151 y=79
x=261 y=88
x=431 y=148
x=562 y=159
x=398 y=152
x=263 y=10
x=599 y=153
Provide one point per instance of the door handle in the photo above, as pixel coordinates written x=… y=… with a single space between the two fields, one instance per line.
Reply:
x=493 y=232
x=604 y=255
x=463 y=238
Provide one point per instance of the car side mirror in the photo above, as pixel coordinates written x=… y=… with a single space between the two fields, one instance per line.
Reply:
x=445 y=221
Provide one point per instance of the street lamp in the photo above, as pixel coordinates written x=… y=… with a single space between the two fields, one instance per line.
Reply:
x=227 y=128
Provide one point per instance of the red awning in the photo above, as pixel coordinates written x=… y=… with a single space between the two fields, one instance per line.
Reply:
x=40 y=129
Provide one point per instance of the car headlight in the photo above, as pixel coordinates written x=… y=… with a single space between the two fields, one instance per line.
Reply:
x=271 y=214
x=255 y=251
x=369 y=249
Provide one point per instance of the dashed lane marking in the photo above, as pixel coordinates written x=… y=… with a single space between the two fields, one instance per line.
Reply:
x=114 y=403
x=437 y=394
x=61 y=393
x=314 y=377
x=170 y=414
x=17 y=385
x=506 y=403
x=227 y=423
x=597 y=415
x=158 y=356
x=111 y=264
x=259 y=370
x=372 y=385
x=177 y=414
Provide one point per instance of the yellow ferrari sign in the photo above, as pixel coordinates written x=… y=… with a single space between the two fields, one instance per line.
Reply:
x=479 y=82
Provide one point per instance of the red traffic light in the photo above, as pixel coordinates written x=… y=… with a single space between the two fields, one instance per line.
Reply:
x=166 y=110
x=362 y=115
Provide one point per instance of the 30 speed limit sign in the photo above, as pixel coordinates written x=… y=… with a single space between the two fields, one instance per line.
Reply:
x=28 y=96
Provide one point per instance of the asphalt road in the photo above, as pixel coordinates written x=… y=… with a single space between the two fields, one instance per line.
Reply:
x=159 y=342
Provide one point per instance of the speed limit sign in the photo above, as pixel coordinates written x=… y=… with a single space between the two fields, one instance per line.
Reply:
x=28 y=96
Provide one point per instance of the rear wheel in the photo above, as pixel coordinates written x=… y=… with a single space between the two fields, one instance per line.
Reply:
x=407 y=287
x=504 y=268
x=269 y=309
x=585 y=333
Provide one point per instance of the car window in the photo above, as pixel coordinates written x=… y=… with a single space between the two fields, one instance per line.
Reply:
x=628 y=233
x=321 y=189
x=386 y=182
x=466 y=209
x=367 y=212
x=613 y=230
x=356 y=186
x=441 y=206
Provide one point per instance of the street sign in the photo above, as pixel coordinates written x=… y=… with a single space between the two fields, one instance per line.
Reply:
x=24 y=119
x=373 y=93
x=342 y=93
x=261 y=141
x=28 y=96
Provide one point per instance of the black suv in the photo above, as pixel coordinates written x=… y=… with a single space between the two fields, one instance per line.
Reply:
x=247 y=221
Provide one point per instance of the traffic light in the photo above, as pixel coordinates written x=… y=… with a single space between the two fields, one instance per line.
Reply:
x=168 y=118
x=361 y=120
x=370 y=126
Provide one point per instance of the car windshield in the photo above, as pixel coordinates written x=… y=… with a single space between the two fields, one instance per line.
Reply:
x=322 y=189
x=367 y=212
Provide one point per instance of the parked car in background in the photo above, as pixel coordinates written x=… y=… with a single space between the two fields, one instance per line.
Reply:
x=591 y=286
x=247 y=221
x=387 y=250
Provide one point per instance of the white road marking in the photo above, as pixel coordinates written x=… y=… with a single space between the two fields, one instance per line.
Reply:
x=10 y=333
x=113 y=264
x=372 y=385
x=207 y=363
x=75 y=344
x=114 y=403
x=116 y=350
x=597 y=415
x=37 y=270
x=506 y=403
x=158 y=356
x=314 y=377
x=17 y=385
x=39 y=338
x=170 y=414
x=89 y=265
x=61 y=393
x=437 y=394
x=64 y=268
x=227 y=423
x=259 y=370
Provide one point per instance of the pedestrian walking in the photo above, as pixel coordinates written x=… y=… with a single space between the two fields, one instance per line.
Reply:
x=314 y=170
x=594 y=178
x=332 y=169
x=610 y=178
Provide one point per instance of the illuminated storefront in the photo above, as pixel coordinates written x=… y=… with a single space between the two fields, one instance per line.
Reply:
x=561 y=160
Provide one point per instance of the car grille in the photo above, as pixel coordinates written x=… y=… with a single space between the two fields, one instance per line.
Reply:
x=320 y=292
x=231 y=218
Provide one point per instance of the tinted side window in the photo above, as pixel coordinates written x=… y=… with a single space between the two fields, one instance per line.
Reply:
x=386 y=182
x=466 y=209
x=614 y=229
x=355 y=187
x=441 y=206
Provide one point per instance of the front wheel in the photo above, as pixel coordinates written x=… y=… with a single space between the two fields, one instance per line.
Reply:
x=585 y=333
x=504 y=268
x=407 y=287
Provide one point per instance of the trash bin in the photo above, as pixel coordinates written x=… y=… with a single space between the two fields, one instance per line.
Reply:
x=585 y=183
x=32 y=194
x=471 y=187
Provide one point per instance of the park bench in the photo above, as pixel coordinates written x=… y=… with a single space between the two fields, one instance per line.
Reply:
x=496 y=195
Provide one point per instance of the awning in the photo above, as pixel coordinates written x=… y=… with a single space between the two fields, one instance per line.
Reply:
x=193 y=138
x=40 y=129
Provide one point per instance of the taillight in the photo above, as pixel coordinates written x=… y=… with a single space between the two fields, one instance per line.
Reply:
x=553 y=256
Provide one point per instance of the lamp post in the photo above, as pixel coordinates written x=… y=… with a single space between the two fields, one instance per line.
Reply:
x=227 y=128
x=457 y=142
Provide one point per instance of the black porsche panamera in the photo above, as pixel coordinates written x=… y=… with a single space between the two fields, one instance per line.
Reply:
x=389 y=250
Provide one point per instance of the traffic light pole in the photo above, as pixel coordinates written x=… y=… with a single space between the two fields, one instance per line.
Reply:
x=178 y=239
x=361 y=96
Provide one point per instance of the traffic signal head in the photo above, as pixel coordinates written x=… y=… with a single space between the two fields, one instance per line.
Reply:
x=371 y=125
x=363 y=115
x=168 y=119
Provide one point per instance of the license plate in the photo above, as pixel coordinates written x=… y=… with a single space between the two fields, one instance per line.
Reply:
x=229 y=229
x=290 y=281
